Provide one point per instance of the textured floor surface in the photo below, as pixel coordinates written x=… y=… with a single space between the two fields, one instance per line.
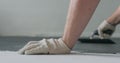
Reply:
x=13 y=57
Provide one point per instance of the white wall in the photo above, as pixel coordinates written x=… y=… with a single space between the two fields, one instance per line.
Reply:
x=45 y=17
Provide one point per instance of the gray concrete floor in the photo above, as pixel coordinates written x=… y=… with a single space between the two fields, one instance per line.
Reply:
x=15 y=43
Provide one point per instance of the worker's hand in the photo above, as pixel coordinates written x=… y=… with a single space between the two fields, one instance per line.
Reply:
x=45 y=46
x=105 y=30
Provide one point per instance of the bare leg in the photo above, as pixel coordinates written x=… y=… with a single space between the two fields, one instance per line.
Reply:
x=79 y=14
x=115 y=17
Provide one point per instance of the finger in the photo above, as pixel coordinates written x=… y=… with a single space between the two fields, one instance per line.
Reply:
x=36 y=50
x=94 y=34
x=32 y=46
x=106 y=36
x=31 y=42
x=100 y=34
x=21 y=51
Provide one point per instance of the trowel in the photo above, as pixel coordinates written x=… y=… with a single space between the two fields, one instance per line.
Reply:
x=94 y=38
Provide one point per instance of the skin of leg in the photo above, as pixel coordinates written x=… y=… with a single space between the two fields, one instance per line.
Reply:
x=79 y=14
x=114 y=19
